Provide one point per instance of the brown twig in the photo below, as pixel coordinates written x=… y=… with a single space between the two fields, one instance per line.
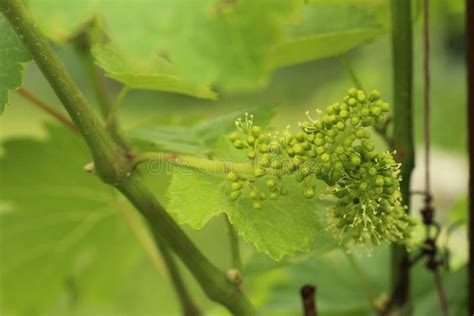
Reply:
x=34 y=100
x=308 y=295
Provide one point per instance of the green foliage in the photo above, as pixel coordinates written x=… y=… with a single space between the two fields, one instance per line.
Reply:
x=12 y=55
x=151 y=76
x=335 y=148
x=226 y=47
x=197 y=138
x=280 y=229
x=66 y=248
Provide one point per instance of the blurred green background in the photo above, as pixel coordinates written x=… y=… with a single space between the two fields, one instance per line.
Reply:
x=127 y=282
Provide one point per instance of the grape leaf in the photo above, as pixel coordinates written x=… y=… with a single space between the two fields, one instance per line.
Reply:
x=197 y=138
x=66 y=248
x=233 y=44
x=281 y=228
x=12 y=55
x=158 y=75
x=315 y=35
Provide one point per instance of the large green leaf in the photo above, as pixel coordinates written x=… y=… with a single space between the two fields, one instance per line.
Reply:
x=198 y=138
x=158 y=75
x=234 y=44
x=12 y=55
x=66 y=248
x=280 y=228
x=326 y=29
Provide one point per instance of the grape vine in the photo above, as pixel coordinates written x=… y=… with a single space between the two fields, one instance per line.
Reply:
x=334 y=147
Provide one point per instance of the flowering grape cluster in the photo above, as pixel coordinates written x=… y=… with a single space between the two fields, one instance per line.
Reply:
x=336 y=148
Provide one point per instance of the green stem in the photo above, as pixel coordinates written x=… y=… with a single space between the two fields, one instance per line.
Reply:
x=212 y=280
x=402 y=52
x=114 y=168
x=201 y=164
x=234 y=246
x=188 y=305
x=82 y=45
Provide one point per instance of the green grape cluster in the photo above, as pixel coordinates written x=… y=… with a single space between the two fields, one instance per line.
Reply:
x=335 y=147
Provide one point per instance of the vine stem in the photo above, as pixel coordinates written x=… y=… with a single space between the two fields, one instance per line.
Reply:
x=234 y=246
x=154 y=248
x=402 y=58
x=33 y=99
x=82 y=45
x=113 y=167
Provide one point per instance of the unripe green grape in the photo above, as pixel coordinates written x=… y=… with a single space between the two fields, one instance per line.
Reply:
x=339 y=150
x=378 y=190
x=250 y=140
x=379 y=181
x=325 y=157
x=275 y=148
x=234 y=195
x=360 y=133
x=341 y=126
x=330 y=139
x=312 y=153
x=385 y=107
x=352 y=102
x=376 y=110
x=372 y=171
x=361 y=96
x=330 y=109
x=298 y=149
x=380 y=118
x=257 y=205
x=352 y=92
x=232 y=176
x=290 y=152
x=387 y=181
x=338 y=166
x=264 y=162
x=283 y=191
x=355 y=120
x=235 y=186
x=368 y=145
x=363 y=186
x=256 y=130
x=309 y=193
x=253 y=195
x=319 y=141
x=374 y=95
x=274 y=196
x=233 y=136
x=276 y=164
x=306 y=146
x=320 y=150
x=344 y=114
x=263 y=139
x=355 y=160
x=259 y=172
x=271 y=183
x=305 y=171
x=263 y=148
x=310 y=138
x=262 y=196
x=332 y=118
x=251 y=154
x=300 y=136
x=238 y=144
